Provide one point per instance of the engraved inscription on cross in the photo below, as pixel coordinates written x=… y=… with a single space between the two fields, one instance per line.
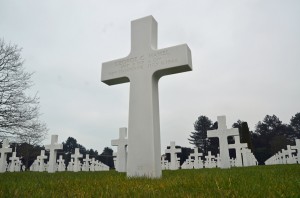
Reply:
x=143 y=67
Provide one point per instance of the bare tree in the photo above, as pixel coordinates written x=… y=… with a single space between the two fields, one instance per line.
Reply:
x=19 y=113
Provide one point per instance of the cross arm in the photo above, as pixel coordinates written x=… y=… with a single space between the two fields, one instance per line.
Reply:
x=114 y=72
x=115 y=142
x=171 y=60
x=212 y=133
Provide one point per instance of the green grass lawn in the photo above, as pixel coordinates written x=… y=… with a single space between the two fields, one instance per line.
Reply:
x=259 y=181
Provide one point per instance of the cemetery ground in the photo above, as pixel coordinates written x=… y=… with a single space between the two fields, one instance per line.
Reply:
x=256 y=181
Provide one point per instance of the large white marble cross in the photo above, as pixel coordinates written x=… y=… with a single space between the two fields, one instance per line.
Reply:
x=173 y=157
x=76 y=157
x=222 y=133
x=143 y=67
x=121 y=157
x=52 y=148
x=238 y=146
x=3 y=151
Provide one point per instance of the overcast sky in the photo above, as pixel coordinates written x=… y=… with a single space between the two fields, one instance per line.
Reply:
x=245 y=53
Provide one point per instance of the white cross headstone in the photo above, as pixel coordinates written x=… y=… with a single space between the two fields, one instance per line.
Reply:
x=173 y=157
x=223 y=133
x=92 y=166
x=291 y=159
x=3 y=151
x=13 y=162
x=143 y=67
x=218 y=159
x=70 y=165
x=232 y=162
x=34 y=166
x=197 y=158
x=41 y=159
x=284 y=155
x=61 y=164
x=245 y=152
x=209 y=160
x=190 y=163
x=297 y=147
x=76 y=157
x=238 y=146
x=164 y=163
x=99 y=166
x=86 y=164
x=18 y=165
x=53 y=147
x=121 y=157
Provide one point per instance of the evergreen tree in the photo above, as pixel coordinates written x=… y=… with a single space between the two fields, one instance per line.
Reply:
x=245 y=135
x=199 y=136
x=295 y=124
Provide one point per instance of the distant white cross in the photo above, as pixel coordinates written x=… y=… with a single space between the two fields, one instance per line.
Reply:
x=41 y=159
x=70 y=165
x=289 y=152
x=13 y=160
x=209 y=160
x=121 y=143
x=3 y=151
x=297 y=147
x=173 y=157
x=223 y=133
x=232 y=162
x=53 y=147
x=61 y=164
x=143 y=67
x=238 y=146
x=86 y=164
x=218 y=159
x=197 y=156
x=190 y=163
x=93 y=162
x=164 y=163
x=76 y=157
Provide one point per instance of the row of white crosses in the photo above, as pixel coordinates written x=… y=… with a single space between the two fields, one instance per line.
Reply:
x=286 y=156
x=54 y=165
x=15 y=164
x=88 y=165
x=244 y=156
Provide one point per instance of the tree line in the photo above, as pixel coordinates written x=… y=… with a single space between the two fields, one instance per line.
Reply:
x=269 y=136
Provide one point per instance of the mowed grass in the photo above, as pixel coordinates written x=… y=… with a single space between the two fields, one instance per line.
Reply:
x=259 y=181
